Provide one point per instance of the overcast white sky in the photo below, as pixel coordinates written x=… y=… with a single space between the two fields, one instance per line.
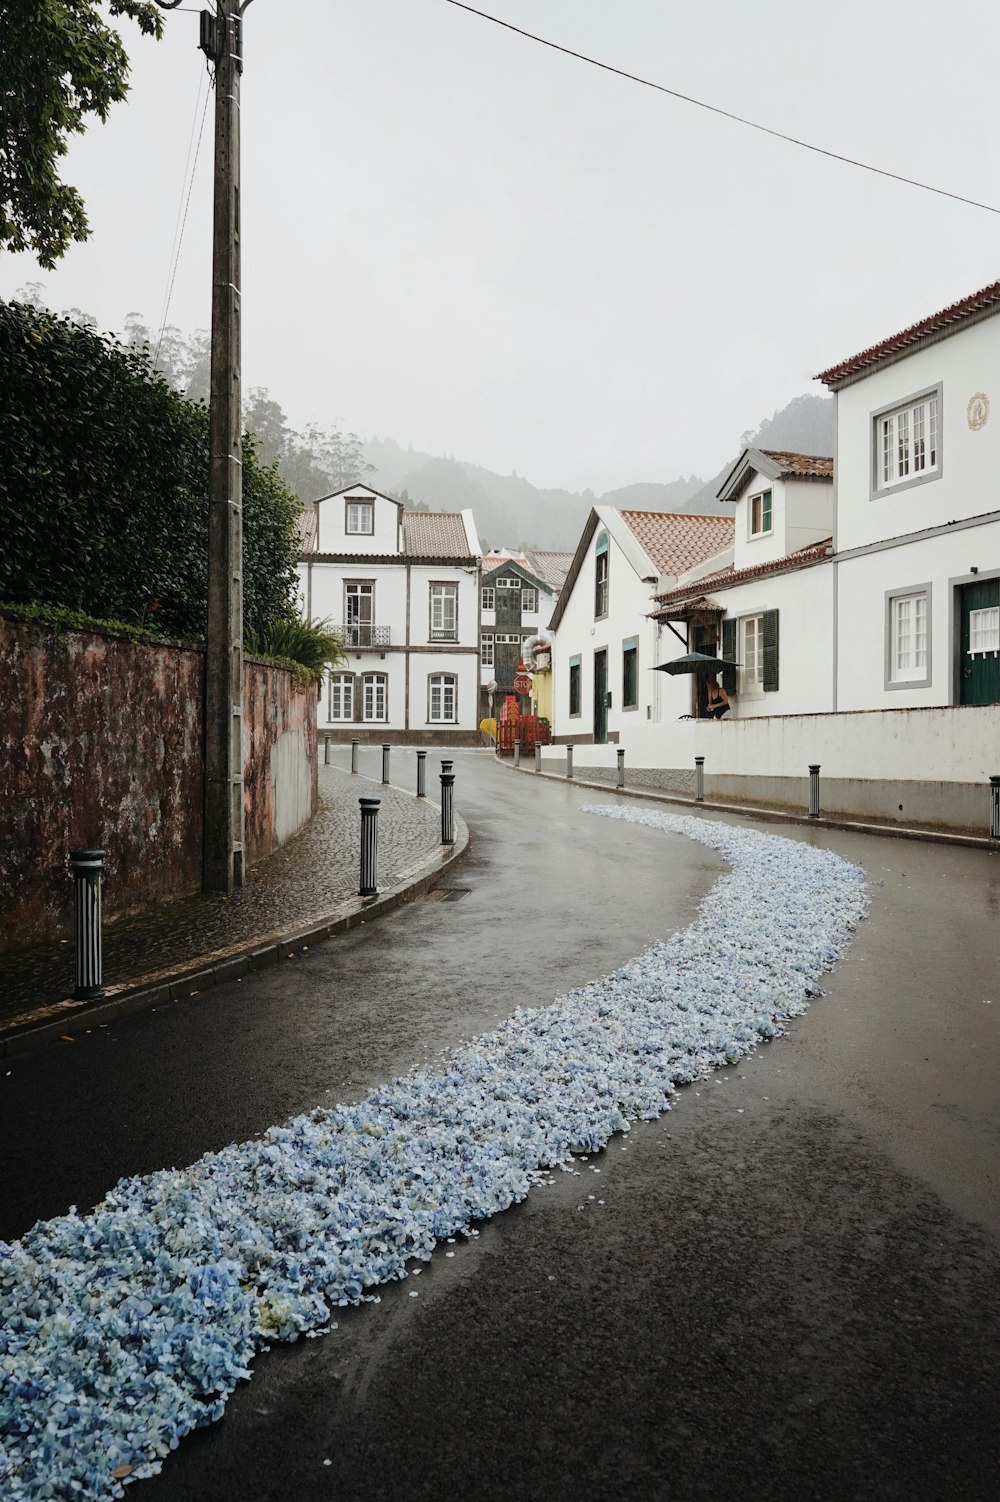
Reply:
x=464 y=241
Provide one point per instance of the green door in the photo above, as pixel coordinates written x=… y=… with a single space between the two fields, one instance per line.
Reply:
x=600 y=697
x=979 y=662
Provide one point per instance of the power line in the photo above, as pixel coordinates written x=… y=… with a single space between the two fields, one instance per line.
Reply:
x=179 y=229
x=717 y=110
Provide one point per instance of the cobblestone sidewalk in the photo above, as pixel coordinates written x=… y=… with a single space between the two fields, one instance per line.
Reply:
x=297 y=886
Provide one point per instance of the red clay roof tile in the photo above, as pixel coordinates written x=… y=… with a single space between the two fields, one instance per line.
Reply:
x=985 y=298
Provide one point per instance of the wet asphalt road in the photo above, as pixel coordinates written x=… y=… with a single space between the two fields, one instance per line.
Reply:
x=791 y=1288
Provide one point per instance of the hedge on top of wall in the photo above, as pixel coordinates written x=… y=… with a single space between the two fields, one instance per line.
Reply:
x=104 y=487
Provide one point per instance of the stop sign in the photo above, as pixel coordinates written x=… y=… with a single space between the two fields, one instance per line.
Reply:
x=522 y=684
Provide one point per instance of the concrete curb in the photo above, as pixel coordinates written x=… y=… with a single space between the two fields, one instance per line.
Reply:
x=63 y=1019
x=775 y=815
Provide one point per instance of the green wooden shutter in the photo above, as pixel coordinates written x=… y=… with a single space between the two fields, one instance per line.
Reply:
x=770 y=650
x=729 y=651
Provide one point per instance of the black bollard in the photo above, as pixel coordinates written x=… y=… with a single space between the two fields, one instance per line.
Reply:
x=354 y=753
x=699 y=779
x=569 y=762
x=814 y=790
x=517 y=751
x=994 y=807
x=385 y=763
x=88 y=867
x=621 y=766
x=369 y=847
x=326 y=750
x=421 y=774
x=447 y=807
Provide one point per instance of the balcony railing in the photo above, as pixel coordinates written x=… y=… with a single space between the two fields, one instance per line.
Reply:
x=363 y=636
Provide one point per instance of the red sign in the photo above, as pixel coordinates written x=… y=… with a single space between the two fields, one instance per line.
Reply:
x=522 y=684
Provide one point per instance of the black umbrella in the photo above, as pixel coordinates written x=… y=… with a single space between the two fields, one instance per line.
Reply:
x=695 y=662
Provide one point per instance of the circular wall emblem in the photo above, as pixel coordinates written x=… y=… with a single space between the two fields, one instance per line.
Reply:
x=978 y=410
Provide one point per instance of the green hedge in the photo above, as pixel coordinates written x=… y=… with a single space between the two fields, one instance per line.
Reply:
x=104 y=487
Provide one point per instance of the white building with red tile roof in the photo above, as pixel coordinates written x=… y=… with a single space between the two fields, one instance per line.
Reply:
x=859 y=597
x=402 y=588
x=917 y=518
x=604 y=642
x=766 y=603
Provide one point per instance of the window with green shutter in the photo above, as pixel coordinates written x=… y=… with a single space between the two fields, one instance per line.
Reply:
x=729 y=652
x=770 y=622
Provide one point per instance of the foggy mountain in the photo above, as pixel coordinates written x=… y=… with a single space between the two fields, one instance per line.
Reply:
x=511 y=512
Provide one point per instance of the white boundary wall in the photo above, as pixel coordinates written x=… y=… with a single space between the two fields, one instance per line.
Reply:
x=945 y=744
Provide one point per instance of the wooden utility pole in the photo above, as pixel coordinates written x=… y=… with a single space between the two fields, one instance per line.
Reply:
x=221 y=38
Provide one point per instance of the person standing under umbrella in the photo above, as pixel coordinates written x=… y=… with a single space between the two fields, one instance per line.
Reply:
x=716 y=699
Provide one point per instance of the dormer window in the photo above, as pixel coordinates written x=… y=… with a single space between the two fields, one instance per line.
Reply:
x=360 y=518
x=760 y=514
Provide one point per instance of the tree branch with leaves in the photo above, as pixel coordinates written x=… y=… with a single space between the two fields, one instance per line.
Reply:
x=61 y=63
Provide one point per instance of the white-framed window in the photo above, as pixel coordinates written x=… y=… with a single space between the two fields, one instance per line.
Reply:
x=908 y=442
x=529 y=598
x=441 y=698
x=489 y=598
x=487 y=654
x=752 y=654
x=444 y=612
x=360 y=518
x=373 y=696
x=341 y=698
x=359 y=613
x=909 y=621
x=760 y=513
x=984 y=631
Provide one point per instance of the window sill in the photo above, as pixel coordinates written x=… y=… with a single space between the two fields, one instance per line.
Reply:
x=889 y=490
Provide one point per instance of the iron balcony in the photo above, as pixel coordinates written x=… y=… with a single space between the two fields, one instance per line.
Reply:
x=363 y=635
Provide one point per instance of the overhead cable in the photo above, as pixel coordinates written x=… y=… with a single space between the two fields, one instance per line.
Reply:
x=715 y=109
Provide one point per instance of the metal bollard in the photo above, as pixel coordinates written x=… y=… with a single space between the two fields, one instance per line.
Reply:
x=354 y=753
x=385 y=763
x=699 y=779
x=995 y=807
x=538 y=758
x=326 y=750
x=517 y=751
x=621 y=766
x=447 y=807
x=88 y=867
x=446 y=766
x=569 y=762
x=369 y=847
x=814 y=790
x=421 y=774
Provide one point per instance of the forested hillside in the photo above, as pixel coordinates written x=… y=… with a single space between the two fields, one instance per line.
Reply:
x=511 y=512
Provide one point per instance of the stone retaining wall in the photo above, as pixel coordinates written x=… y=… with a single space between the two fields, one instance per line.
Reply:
x=101 y=744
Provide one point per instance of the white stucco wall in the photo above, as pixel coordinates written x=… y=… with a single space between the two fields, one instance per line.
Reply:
x=751 y=551
x=802 y=513
x=579 y=634
x=959 y=745
x=390 y=610
x=333 y=536
x=942 y=562
x=965 y=363
x=804 y=602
